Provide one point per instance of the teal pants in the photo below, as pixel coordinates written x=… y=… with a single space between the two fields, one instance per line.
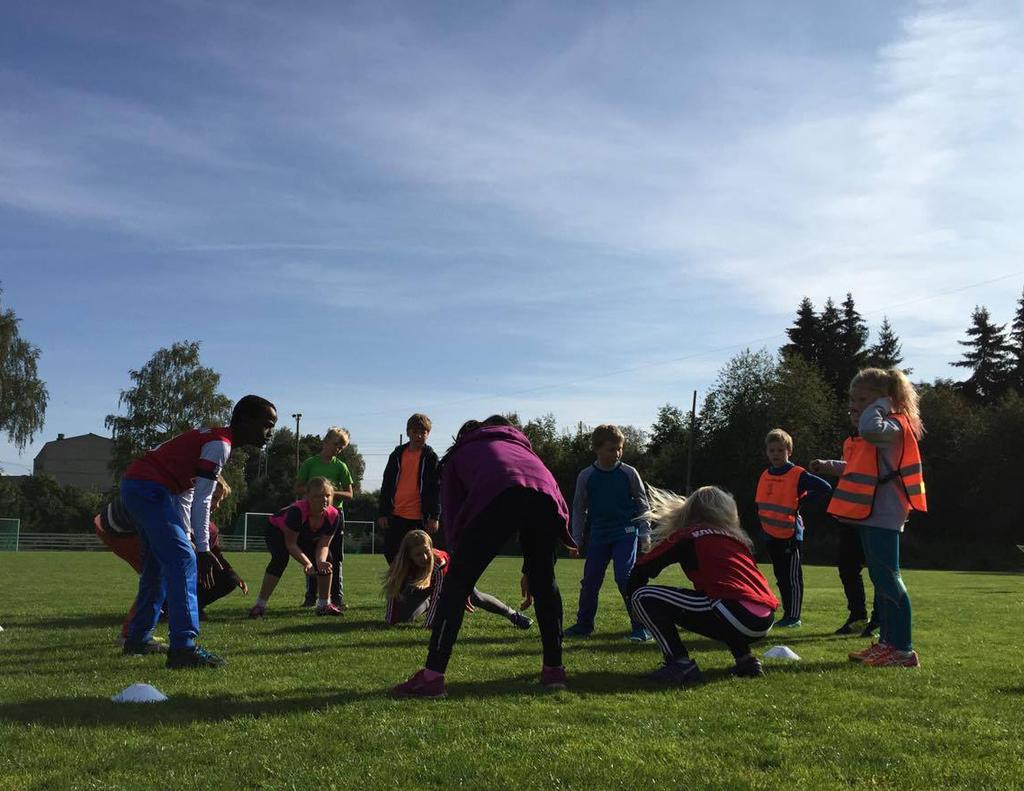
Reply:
x=882 y=557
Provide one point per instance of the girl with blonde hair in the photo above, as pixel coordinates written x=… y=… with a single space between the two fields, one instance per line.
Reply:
x=732 y=601
x=881 y=482
x=414 y=580
x=304 y=531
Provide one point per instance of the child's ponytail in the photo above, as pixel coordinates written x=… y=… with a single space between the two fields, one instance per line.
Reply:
x=709 y=506
x=894 y=384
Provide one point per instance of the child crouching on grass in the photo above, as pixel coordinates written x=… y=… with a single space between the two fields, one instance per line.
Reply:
x=413 y=584
x=732 y=603
x=304 y=531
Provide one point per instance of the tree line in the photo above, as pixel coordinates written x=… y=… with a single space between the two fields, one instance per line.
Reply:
x=973 y=425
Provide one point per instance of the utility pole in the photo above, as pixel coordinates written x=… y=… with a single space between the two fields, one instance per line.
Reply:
x=298 y=417
x=689 y=452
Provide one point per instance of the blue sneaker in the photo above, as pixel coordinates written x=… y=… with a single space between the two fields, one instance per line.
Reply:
x=577 y=631
x=678 y=673
x=788 y=623
x=640 y=635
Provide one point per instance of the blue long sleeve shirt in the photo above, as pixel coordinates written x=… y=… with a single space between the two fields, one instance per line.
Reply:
x=610 y=501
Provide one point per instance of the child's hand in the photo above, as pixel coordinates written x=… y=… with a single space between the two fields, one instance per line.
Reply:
x=524 y=587
x=431 y=525
x=469 y=606
x=816 y=465
x=309 y=569
x=382 y=522
x=243 y=586
x=323 y=567
x=574 y=552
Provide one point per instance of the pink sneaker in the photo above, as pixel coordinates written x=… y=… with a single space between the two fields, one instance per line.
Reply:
x=419 y=687
x=895 y=658
x=553 y=678
x=869 y=653
x=329 y=609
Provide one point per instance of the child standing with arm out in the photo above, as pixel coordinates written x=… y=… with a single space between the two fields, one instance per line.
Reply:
x=782 y=489
x=881 y=482
x=609 y=496
x=732 y=601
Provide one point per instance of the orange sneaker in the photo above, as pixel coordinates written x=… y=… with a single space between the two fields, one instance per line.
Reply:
x=895 y=658
x=869 y=653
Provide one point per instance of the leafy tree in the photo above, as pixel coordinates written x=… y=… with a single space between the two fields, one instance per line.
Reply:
x=23 y=396
x=805 y=334
x=172 y=393
x=802 y=403
x=886 y=352
x=667 y=449
x=1016 y=345
x=987 y=357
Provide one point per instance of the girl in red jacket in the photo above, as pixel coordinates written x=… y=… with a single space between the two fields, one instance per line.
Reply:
x=732 y=601
x=413 y=584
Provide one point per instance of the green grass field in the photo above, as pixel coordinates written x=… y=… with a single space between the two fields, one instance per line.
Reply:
x=303 y=701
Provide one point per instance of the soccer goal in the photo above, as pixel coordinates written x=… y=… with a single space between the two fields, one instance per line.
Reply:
x=10 y=531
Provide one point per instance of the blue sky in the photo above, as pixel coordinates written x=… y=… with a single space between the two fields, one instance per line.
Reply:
x=368 y=209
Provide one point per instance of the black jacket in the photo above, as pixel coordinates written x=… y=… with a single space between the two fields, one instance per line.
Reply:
x=429 y=483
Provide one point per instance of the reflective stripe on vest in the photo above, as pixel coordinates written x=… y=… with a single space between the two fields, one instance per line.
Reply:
x=854 y=495
x=777 y=499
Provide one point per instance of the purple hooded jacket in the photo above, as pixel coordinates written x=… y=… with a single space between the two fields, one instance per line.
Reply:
x=484 y=463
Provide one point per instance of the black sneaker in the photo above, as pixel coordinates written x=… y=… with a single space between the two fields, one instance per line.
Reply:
x=309 y=601
x=339 y=601
x=852 y=626
x=747 y=667
x=870 y=629
x=188 y=658
x=520 y=621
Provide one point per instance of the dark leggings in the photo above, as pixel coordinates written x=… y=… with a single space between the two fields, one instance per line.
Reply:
x=850 y=563
x=662 y=609
x=414 y=602
x=337 y=550
x=279 y=555
x=224 y=581
x=533 y=515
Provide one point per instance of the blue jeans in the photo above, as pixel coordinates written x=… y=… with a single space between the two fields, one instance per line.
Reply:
x=882 y=556
x=622 y=553
x=168 y=565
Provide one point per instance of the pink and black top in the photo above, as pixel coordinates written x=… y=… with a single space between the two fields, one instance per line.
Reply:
x=296 y=517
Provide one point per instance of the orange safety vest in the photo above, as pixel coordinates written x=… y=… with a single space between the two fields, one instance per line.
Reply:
x=854 y=496
x=778 y=497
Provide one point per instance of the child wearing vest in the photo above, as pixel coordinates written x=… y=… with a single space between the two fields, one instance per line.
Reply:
x=881 y=482
x=781 y=490
x=304 y=530
x=732 y=602
x=414 y=580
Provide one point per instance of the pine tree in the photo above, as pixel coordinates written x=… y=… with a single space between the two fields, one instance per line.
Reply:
x=887 y=352
x=853 y=338
x=831 y=356
x=804 y=334
x=987 y=357
x=1017 y=347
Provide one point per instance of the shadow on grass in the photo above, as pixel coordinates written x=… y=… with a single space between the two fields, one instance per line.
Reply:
x=66 y=622
x=181 y=709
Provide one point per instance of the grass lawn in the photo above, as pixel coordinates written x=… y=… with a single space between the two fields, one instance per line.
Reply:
x=303 y=701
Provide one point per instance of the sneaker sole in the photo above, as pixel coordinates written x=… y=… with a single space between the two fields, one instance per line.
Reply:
x=412 y=695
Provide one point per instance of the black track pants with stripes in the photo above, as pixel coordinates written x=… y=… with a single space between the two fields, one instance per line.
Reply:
x=662 y=609
x=789 y=573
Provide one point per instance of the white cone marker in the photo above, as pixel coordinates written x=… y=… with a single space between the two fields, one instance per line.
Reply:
x=139 y=693
x=781 y=652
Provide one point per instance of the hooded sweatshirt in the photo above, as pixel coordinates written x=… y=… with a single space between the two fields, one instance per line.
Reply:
x=484 y=463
